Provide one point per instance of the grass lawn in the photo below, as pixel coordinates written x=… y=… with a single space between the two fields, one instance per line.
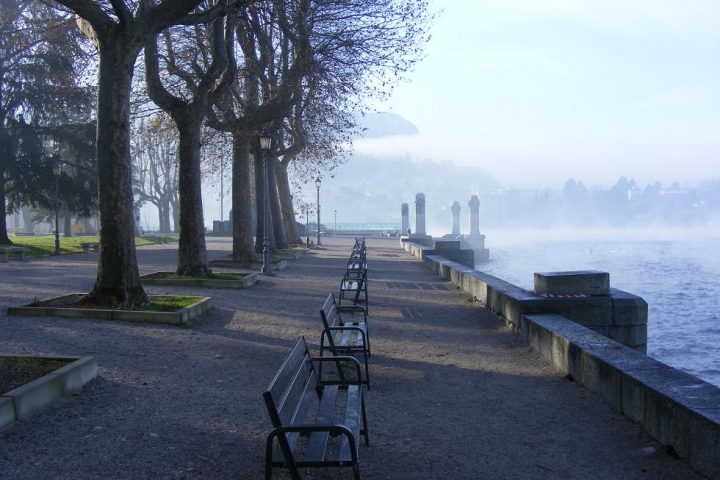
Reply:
x=169 y=303
x=158 y=303
x=45 y=245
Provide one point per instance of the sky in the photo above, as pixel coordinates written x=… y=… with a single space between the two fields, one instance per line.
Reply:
x=540 y=91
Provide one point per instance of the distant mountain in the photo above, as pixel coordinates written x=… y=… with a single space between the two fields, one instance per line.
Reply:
x=384 y=124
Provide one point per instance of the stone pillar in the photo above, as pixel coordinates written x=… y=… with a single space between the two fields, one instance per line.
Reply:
x=420 y=214
x=474 y=204
x=455 y=208
x=405 y=210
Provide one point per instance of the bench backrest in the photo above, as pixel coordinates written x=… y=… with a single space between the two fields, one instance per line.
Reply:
x=329 y=313
x=295 y=379
x=359 y=244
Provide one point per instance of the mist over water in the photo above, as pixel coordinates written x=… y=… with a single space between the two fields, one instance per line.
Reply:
x=676 y=271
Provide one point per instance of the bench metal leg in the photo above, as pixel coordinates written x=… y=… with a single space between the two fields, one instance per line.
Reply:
x=4 y=258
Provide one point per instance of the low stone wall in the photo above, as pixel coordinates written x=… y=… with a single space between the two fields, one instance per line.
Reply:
x=679 y=410
x=448 y=249
x=619 y=315
x=588 y=338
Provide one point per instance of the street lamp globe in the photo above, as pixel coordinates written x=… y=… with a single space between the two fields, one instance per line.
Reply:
x=265 y=140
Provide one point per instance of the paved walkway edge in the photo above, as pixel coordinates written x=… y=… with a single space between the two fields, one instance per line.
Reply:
x=679 y=410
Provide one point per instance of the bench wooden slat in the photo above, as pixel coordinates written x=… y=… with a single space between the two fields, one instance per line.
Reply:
x=299 y=390
x=318 y=440
x=290 y=384
x=352 y=421
x=299 y=417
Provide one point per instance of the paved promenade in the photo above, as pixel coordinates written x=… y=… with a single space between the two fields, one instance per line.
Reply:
x=454 y=394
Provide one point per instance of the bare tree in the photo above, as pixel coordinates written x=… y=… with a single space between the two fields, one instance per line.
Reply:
x=156 y=172
x=194 y=72
x=260 y=94
x=360 y=50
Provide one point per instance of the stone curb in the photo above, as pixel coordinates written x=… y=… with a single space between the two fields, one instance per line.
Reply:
x=180 y=317
x=22 y=402
x=245 y=282
x=276 y=265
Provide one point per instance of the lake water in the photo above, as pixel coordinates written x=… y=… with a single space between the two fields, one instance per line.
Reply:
x=677 y=272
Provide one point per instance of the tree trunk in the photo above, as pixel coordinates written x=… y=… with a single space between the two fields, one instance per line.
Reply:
x=192 y=252
x=164 y=212
x=67 y=225
x=241 y=201
x=4 y=238
x=175 y=213
x=27 y=215
x=118 y=279
x=277 y=224
x=286 y=203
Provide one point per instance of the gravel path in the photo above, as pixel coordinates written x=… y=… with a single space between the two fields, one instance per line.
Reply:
x=454 y=394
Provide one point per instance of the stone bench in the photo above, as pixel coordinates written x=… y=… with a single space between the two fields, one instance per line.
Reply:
x=6 y=251
x=87 y=246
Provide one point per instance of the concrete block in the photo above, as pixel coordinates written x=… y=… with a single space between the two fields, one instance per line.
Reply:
x=444 y=246
x=585 y=282
x=705 y=442
x=587 y=311
x=36 y=394
x=604 y=331
x=76 y=374
x=628 y=309
x=670 y=399
x=603 y=378
x=7 y=412
x=632 y=336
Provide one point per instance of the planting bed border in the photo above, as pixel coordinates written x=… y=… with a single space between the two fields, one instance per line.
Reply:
x=21 y=402
x=276 y=265
x=245 y=282
x=181 y=317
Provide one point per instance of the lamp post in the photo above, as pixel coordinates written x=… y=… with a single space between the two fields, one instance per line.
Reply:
x=317 y=184
x=335 y=222
x=265 y=143
x=57 y=167
x=307 y=223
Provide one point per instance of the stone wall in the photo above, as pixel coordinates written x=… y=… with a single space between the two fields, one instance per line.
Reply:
x=618 y=315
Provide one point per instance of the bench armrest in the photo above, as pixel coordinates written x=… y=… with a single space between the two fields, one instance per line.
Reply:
x=337 y=359
x=354 y=308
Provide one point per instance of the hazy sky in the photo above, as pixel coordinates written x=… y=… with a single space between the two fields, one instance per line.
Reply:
x=539 y=91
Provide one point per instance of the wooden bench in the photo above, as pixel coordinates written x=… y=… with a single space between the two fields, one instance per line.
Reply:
x=87 y=246
x=359 y=245
x=342 y=336
x=356 y=264
x=6 y=251
x=303 y=409
x=352 y=286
